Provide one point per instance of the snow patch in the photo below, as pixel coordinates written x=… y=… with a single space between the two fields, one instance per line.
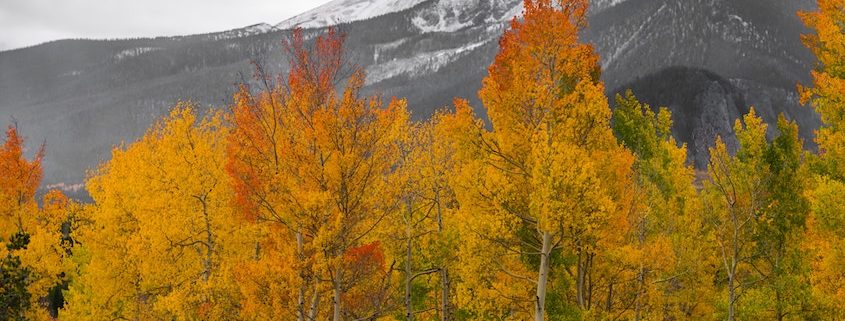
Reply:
x=605 y=4
x=71 y=73
x=134 y=52
x=517 y=10
x=443 y=16
x=446 y=16
x=256 y=29
x=66 y=187
x=385 y=47
x=423 y=63
x=442 y=24
x=259 y=28
x=342 y=11
x=454 y=15
x=739 y=19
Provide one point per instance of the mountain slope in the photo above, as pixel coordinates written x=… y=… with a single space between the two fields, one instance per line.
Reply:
x=750 y=51
x=716 y=57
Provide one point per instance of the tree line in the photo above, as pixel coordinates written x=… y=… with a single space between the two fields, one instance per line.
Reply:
x=306 y=200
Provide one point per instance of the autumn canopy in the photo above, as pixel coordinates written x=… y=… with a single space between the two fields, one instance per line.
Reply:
x=305 y=199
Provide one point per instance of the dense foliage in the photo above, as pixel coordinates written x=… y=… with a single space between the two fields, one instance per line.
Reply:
x=308 y=201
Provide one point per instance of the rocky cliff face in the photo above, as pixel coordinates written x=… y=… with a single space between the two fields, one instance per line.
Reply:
x=707 y=60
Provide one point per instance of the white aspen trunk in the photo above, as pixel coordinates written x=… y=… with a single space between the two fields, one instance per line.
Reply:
x=315 y=303
x=734 y=262
x=209 y=243
x=444 y=295
x=300 y=303
x=731 y=295
x=579 y=281
x=336 y=297
x=444 y=273
x=409 y=310
x=542 y=278
x=641 y=273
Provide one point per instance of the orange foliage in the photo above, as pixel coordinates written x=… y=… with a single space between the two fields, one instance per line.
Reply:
x=311 y=161
x=18 y=183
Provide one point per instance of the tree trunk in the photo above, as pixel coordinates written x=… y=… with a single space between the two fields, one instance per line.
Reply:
x=139 y=298
x=300 y=304
x=579 y=281
x=409 y=270
x=444 y=295
x=315 y=303
x=589 y=290
x=337 y=305
x=638 y=315
x=542 y=278
x=779 y=304
x=209 y=243
x=732 y=288
x=445 y=313
x=642 y=272
x=731 y=294
x=734 y=262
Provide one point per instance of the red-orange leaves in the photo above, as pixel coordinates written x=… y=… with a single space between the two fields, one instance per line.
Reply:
x=18 y=182
x=364 y=260
x=316 y=69
x=367 y=280
x=314 y=162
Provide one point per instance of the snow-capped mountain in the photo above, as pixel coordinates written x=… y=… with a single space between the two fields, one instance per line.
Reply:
x=707 y=60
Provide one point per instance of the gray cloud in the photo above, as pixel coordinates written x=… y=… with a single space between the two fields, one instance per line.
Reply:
x=30 y=22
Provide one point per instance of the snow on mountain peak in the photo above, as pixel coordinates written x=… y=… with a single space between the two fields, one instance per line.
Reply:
x=453 y=15
x=340 y=11
x=446 y=16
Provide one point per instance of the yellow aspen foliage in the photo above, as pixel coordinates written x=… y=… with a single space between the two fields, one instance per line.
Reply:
x=49 y=249
x=825 y=242
x=423 y=226
x=757 y=208
x=828 y=92
x=163 y=216
x=827 y=96
x=735 y=196
x=543 y=193
x=661 y=269
x=781 y=260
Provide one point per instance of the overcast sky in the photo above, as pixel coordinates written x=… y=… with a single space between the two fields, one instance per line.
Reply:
x=30 y=22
